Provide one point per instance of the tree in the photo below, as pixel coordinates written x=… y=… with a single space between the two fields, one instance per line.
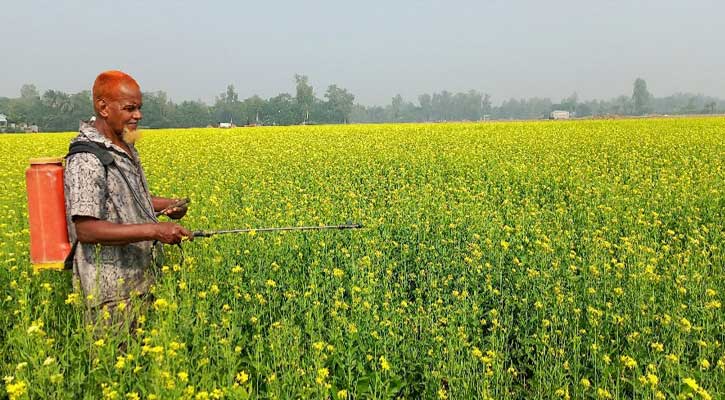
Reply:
x=253 y=108
x=641 y=97
x=230 y=96
x=395 y=107
x=28 y=108
x=570 y=103
x=425 y=102
x=29 y=91
x=57 y=100
x=583 y=110
x=304 y=95
x=227 y=106
x=56 y=111
x=710 y=107
x=472 y=107
x=158 y=110
x=192 y=113
x=442 y=103
x=339 y=103
x=537 y=107
x=691 y=106
x=281 y=110
x=82 y=104
x=622 y=105
x=486 y=104
x=362 y=114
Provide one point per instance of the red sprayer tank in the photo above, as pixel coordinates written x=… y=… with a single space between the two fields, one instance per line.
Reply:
x=46 y=211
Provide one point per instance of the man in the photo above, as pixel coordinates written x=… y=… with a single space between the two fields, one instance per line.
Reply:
x=110 y=211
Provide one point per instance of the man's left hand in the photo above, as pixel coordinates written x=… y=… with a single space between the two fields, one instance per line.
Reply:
x=172 y=208
x=177 y=212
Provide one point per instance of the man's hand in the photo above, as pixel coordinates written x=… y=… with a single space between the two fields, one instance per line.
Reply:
x=172 y=208
x=177 y=212
x=172 y=233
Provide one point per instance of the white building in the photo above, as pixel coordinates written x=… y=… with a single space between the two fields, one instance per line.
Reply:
x=560 y=114
x=3 y=121
x=227 y=125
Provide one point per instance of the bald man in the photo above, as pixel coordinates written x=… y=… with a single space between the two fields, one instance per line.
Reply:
x=110 y=211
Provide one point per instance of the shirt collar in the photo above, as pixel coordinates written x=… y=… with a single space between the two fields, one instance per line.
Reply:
x=88 y=130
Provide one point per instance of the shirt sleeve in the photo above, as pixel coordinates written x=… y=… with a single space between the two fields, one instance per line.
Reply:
x=85 y=186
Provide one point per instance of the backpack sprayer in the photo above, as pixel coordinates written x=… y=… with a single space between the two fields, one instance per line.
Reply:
x=49 y=243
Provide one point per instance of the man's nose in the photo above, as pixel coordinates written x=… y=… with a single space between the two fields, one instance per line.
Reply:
x=138 y=114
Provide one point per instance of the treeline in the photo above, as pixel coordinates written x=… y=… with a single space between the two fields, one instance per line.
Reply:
x=55 y=111
x=58 y=111
x=474 y=106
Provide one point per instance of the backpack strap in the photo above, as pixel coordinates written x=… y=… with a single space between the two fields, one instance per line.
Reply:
x=68 y=262
x=105 y=157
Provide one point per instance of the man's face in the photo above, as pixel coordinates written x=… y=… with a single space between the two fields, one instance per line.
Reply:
x=122 y=111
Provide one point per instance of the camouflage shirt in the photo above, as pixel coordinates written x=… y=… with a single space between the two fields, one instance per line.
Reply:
x=108 y=274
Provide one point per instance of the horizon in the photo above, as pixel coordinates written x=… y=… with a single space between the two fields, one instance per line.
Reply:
x=319 y=92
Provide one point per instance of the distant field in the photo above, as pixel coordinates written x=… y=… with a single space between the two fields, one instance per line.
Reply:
x=578 y=259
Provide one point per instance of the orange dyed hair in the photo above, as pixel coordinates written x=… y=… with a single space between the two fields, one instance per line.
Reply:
x=108 y=83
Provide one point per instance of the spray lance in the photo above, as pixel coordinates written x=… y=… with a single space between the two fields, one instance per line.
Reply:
x=347 y=225
x=210 y=233
x=204 y=234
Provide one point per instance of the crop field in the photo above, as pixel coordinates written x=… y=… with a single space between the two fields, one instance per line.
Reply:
x=497 y=260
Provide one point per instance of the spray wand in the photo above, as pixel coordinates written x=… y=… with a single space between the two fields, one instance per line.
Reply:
x=348 y=225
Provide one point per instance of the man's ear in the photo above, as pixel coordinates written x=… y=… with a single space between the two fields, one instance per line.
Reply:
x=102 y=108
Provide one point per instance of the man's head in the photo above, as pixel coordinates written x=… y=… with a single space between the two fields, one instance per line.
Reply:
x=117 y=103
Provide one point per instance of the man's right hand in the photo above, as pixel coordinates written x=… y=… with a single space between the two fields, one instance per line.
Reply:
x=172 y=233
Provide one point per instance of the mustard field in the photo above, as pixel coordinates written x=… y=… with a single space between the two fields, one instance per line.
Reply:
x=533 y=260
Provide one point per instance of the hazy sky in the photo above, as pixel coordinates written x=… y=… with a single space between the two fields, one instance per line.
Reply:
x=193 y=50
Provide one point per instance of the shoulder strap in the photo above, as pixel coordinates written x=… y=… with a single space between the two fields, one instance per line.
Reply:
x=68 y=262
x=103 y=155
